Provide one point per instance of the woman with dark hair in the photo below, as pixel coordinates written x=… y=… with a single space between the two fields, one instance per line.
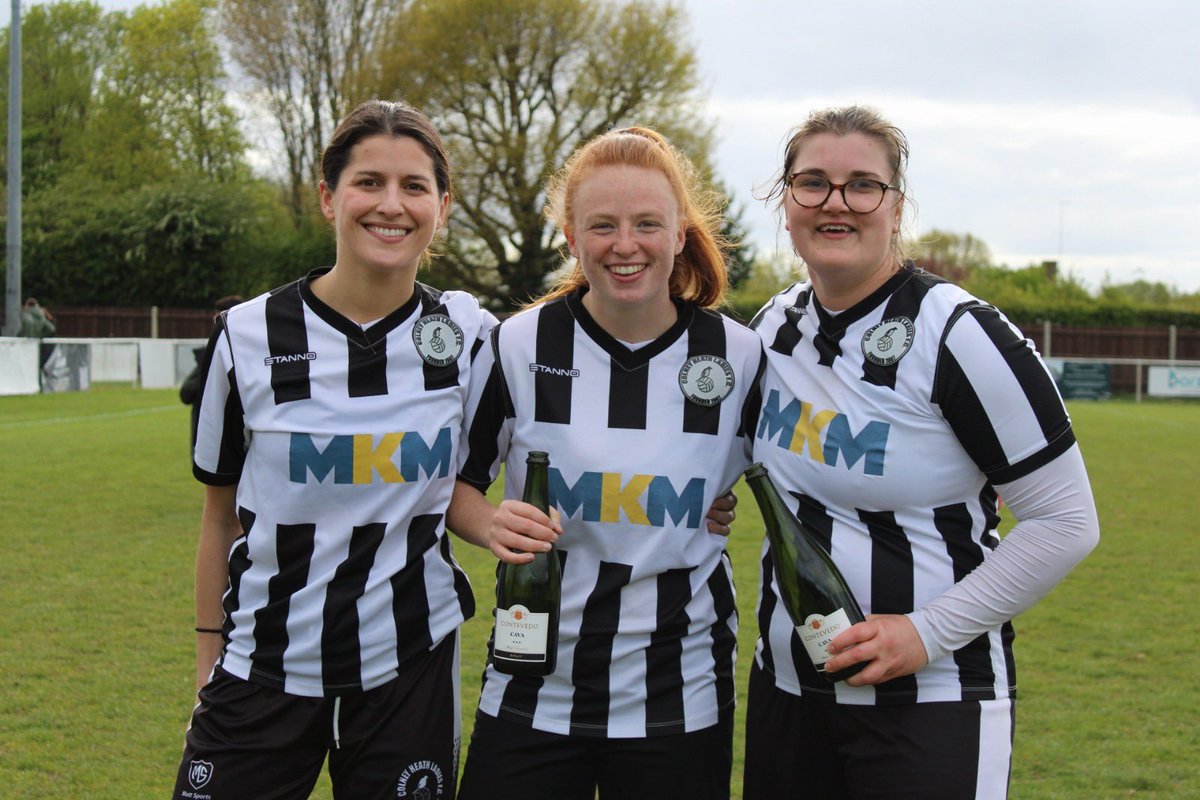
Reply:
x=327 y=598
x=896 y=408
x=637 y=389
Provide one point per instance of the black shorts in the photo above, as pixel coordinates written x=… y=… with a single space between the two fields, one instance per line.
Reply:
x=802 y=747
x=399 y=740
x=510 y=760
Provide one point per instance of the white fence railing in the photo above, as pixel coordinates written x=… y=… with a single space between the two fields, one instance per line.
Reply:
x=29 y=366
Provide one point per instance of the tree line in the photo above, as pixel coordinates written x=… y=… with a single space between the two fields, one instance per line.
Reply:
x=139 y=178
x=144 y=134
x=1041 y=292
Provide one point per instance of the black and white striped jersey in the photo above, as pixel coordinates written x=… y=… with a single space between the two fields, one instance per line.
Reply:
x=342 y=442
x=888 y=426
x=641 y=441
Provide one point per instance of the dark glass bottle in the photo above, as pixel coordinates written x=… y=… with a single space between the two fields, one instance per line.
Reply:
x=528 y=595
x=814 y=592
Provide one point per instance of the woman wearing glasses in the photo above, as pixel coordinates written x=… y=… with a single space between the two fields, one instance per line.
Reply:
x=896 y=409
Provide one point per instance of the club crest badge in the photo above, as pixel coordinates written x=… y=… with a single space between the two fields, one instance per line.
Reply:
x=706 y=380
x=438 y=339
x=886 y=343
x=199 y=773
x=421 y=780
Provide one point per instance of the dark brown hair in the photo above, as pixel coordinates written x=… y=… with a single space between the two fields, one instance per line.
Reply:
x=384 y=118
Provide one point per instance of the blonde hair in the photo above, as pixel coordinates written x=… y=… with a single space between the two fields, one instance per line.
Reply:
x=700 y=274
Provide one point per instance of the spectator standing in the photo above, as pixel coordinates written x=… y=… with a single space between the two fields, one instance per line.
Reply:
x=36 y=322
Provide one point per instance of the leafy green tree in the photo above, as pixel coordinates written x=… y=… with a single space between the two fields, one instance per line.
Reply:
x=161 y=107
x=309 y=62
x=137 y=189
x=1139 y=292
x=178 y=243
x=743 y=255
x=952 y=255
x=770 y=273
x=1036 y=289
x=515 y=86
x=64 y=48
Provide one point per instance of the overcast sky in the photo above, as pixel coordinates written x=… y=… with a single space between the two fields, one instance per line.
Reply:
x=1055 y=129
x=1038 y=127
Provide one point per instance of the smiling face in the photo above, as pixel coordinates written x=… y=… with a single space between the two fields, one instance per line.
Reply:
x=386 y=206
x=626 y=229
x=848 y=255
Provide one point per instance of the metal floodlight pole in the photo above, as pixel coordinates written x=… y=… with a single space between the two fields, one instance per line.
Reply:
x=12 y=243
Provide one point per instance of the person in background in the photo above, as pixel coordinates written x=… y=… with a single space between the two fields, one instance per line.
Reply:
x=328 y=600
x=189 y=390
x=637 y=389
x=36 y=322
x=896 y=407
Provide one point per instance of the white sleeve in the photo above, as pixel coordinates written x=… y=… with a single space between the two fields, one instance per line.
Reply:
x=1057 y=526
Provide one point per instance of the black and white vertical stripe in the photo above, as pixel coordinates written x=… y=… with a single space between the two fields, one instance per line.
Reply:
x=967 y=406
x=649 y=623
x=343 y=571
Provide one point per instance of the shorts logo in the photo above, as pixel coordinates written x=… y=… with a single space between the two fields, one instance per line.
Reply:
x=886 y=343
x=199 y=773
x=438 y=339
x=706 y=380
x=421 y=780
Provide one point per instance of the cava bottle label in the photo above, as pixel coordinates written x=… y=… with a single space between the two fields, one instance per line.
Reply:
x=818 y=631
x=521 y=634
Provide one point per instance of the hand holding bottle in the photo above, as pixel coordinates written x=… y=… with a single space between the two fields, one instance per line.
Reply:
x=807 y=581
x=528 y=595
x=888 y=644
x=519 y=529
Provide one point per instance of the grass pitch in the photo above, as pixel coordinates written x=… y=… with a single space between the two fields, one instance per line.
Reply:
x=99 y=515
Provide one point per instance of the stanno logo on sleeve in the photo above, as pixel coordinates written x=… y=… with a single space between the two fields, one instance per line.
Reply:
x=438 y=339
x=706 y=380
x=886 y=343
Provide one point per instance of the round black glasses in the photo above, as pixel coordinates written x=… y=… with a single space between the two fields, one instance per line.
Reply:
x=861 y=195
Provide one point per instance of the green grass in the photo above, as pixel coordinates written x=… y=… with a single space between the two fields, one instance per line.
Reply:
x=99 y=515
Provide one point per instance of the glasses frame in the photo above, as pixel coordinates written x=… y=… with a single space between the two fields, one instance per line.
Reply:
x=841 y=187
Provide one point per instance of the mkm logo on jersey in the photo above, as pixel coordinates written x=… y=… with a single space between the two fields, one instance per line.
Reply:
x=794 y=425
x=602 y=496
x=358 y=458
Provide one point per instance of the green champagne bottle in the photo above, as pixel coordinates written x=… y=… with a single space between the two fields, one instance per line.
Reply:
x=528 y=595
x=814 y=592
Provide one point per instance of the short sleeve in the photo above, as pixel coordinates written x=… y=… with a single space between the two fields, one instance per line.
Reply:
x=998 y=396
x=220 y=435
x=488 y=418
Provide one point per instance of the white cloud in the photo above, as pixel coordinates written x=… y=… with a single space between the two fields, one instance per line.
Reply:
x=1109 y=189
x=1037 y=126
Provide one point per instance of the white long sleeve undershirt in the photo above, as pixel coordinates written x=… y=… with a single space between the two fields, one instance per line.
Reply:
x=1057 y=527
